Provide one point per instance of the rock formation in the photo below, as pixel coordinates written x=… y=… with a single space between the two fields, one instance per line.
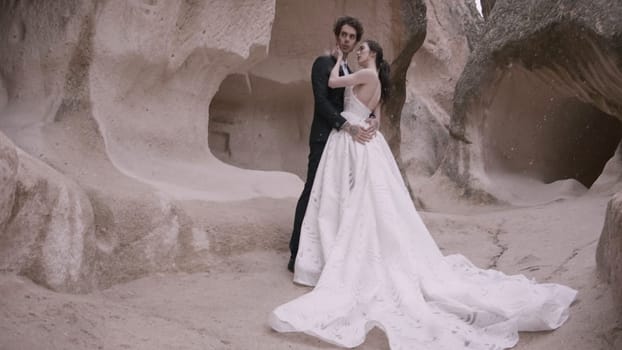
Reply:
x=538 y=102
x=609 y=254
x=114 y=96
x=431 y=79
x=48 y=234
x=537 y=112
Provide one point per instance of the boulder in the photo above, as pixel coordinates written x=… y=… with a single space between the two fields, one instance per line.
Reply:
x=48 y=235
x=609 y=252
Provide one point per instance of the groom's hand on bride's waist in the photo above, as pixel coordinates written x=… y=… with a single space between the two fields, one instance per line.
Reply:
x=359 y=134
x=373 y=123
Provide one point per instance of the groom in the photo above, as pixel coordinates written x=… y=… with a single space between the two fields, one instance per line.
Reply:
x=326 y=116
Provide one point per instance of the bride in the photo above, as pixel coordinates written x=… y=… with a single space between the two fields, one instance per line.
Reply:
x=374 y=264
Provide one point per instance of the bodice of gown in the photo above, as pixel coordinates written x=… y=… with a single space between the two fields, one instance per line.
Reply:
x=353 y=109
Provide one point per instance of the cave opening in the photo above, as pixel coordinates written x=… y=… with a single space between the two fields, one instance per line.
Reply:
x=261 y=124
x=536 y=130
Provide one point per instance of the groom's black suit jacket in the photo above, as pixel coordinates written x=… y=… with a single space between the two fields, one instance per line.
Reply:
x=328 y=102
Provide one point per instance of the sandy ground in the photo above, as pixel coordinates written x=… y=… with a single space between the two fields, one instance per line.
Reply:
x=226 y=306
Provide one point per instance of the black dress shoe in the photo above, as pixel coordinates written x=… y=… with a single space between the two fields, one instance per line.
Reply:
x=291 y=263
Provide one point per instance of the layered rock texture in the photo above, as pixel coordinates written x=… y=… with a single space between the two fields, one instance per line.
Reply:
x=48 y=235
x=539 y=102
x=609 y=254
x=431 y=79
x=114 y=97
x=537 y=111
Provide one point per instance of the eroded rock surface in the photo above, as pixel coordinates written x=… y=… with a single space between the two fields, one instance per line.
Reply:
x=8 y=179
x=609 y=253
x=537 y=110
x=114 y=96
x=431 y=79
x=537 y=113
x=49 y=234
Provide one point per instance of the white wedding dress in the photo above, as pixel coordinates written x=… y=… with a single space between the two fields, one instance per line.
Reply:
x=373 y=263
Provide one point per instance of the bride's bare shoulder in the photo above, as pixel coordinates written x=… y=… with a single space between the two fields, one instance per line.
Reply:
x=368 y=72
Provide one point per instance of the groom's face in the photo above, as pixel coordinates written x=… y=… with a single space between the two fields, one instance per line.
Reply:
x=346 y=38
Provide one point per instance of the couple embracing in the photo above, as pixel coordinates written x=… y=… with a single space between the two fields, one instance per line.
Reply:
x=359 y=241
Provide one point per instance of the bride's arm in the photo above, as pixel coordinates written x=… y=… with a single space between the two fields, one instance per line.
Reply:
x=359 y=77
x=335 y=81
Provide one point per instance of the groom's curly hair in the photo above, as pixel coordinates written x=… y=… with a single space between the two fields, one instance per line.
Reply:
x=352 y=22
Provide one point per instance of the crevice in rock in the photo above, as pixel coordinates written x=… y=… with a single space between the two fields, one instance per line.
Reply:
x=502 y=249
x=77 y=92
x=562 y=267
x=487 y=6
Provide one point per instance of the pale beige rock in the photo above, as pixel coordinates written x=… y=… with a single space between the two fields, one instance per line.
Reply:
x=49 y=236
x=537 y=108
x=37 y=43
x=3 y=95
x=610 y=180
x=154 y=69
x=609 y=253
x=431 y=80
x=8 y=179
x=91 y=91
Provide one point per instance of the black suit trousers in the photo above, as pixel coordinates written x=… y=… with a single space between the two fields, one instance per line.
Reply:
x=315 y=155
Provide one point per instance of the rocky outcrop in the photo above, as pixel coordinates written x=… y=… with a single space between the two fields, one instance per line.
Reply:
x=8 y=179
x=415 y=29
x=609 y=253
x=145 y=72
x=114 y=97
x=432 y=75
x=538 y=108
x=48 y=235
x=151 y=79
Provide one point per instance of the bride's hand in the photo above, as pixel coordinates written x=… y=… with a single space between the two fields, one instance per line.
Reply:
x=337 y=53
x=374 y=124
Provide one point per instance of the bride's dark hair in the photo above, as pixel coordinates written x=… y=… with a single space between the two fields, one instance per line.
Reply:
x=384 y=70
